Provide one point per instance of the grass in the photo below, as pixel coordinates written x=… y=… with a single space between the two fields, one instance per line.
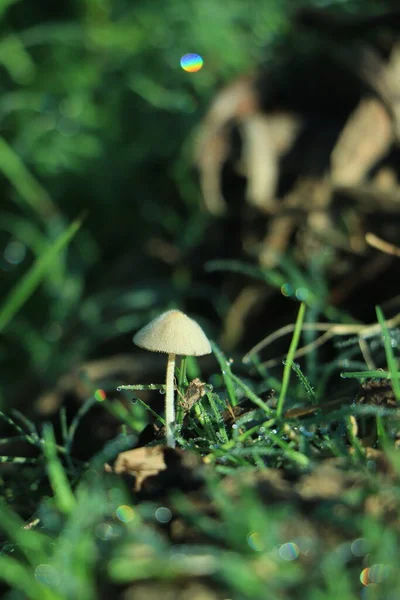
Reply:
x=251 y=527
x=286 y=481
x=244 y=540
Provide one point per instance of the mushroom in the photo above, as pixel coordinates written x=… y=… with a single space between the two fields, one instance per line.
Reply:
x=174 y=333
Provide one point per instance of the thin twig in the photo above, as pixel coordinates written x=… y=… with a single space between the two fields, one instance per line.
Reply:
x=380 y=244
x=363 y=331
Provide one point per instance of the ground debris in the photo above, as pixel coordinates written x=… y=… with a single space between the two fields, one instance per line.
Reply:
x=195 y=391
x=159 y=469
x=378 y=392
x=140 y=462
x=190 y=590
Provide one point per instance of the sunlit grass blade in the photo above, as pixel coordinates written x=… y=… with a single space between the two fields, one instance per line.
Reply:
x=226 y=373
x=390 y=358
x=17 y=427
x=352 y=435
x=63 y=496
x=273 y=277
x=141 y=387
x=289 y=360
x=28 y=283
x=218 y=417
x=20 y=577
x=18 y=460
x=119 y=411
x=23 y=181
x=150 y=410
x=204 y=419
x=251 y=395
x=369 y=375
x=32 y=544
x=305 y=383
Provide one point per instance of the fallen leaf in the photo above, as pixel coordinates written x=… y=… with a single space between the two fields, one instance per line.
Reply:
x=364 y=140
x=194 y=392
x=158 y=469
x=140 y=462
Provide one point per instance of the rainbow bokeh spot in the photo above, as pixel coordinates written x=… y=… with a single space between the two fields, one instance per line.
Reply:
x=100 y=395
x=125 y=513
x=191 y=63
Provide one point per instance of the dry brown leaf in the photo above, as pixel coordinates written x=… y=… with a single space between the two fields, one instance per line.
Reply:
x=378 y=392
x=82 y=381
x=392 y=80
x=260 y=162
x=212 y=147
x=140 y=462
x=377 y=242
x=265 y=139
x=194 y=392
x=159 y=469
x=189 y=590
x=328 y=481
x=364 y=140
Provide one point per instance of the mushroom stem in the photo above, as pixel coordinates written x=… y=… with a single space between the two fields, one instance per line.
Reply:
x=169 y=402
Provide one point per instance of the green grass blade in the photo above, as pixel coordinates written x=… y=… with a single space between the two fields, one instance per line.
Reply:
x=390 y=358
x=369 y=375
x=289 y=361
x=32 y=544
x=26 y=286
x=63 y=495
x=218 y=417
x=226 y=373
x=305 y=383
x=252 y=396
x=19 y=577
x=23 y=181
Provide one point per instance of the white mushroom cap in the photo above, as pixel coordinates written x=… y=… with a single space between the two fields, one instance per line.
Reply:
x=173 y=332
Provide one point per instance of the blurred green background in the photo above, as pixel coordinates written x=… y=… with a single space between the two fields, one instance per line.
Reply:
x=98 y=117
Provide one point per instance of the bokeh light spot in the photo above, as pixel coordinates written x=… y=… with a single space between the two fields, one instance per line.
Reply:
x=191 y=63
x=289 y=551
x=359 y=547
x=14 y=252
x=255 y=542
x=287 y=290
x=104 y=531
x=378 y=573
x=47 y=575
x=125 y=513
x=163 y=514
x=100 y=395
x=371 y=592
x=302 y=293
